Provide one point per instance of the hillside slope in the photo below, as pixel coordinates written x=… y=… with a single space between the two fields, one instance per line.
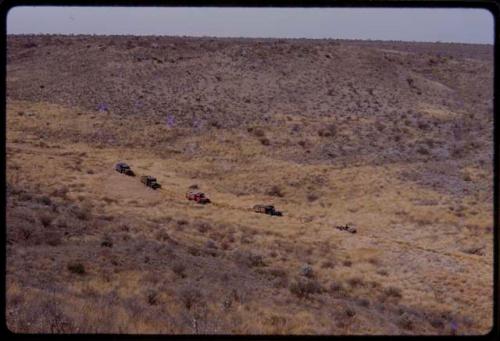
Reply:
x=393 y=138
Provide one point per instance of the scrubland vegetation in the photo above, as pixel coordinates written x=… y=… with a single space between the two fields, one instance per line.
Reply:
x=392 y=138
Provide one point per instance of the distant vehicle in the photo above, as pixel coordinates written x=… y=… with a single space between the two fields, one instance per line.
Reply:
x=122 y=167
x=347 y=228
x=150 y=181
x=267 y=209
x=197 y=196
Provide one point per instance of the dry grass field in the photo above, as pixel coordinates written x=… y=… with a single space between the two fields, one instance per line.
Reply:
x=392 y=138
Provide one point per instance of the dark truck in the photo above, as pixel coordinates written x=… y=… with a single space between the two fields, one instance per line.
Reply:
x=122 y=167
x=150 y=181
x=347 y=228
x=267 y=209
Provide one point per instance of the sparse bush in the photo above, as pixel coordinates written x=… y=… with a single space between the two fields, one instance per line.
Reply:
x=210 y=244
x=45 y=200
x=249 y=259
x=312 y=197
x=194 y=251
x=52 y=238
x=329 y=131
x=82 y=212
x=152 y=297
x=216 y=235
x=30 y=44
x=215 y=124
x=347 y=263
x=379 y=126
x=76 y=268
x=355 y=282
x=423 y=125
x=60 y=192
x=328 y=265
x=423 y=150
x=25 y=197
x=474 y=250
x=363 y=302
x=258 y=132
x=435 y=320
x=109 y=200
x=107 y=242
x=107 y=217
x=190 y=296
x=405 y=322
x=46 y=219
x=203 y=227
x=307 y=271
x=383 y=272
x=338 y=289
x=295 y=128
x=265 y=141
x=393 y=292
x=162 y=235
x=178 y=269
x=182 y=222
x=303 y=288
x=275 y=191
x=26 y=233
x=279 y=277
x=278 y=322
x=349 y=311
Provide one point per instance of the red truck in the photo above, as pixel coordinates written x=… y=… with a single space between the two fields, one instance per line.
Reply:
x=197 y=196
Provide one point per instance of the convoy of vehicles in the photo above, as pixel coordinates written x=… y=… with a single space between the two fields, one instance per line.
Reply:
x=192 y=194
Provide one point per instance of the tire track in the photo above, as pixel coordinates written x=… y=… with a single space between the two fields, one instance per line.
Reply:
x=382 y=240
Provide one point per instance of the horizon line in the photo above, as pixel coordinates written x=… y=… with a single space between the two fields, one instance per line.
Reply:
x=242 y=37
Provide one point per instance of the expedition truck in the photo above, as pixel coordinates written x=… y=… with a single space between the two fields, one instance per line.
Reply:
x=122 y=167
x=150 y=181
x=197 y=196
x=267 y=209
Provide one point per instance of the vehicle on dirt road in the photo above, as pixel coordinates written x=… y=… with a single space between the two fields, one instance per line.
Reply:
x=150 y=181
x=122 y=167
x=267 y=209
x=197 y=196
x=347 y=228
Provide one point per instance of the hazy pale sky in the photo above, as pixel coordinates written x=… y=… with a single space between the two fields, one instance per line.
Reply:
x=408 y=24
